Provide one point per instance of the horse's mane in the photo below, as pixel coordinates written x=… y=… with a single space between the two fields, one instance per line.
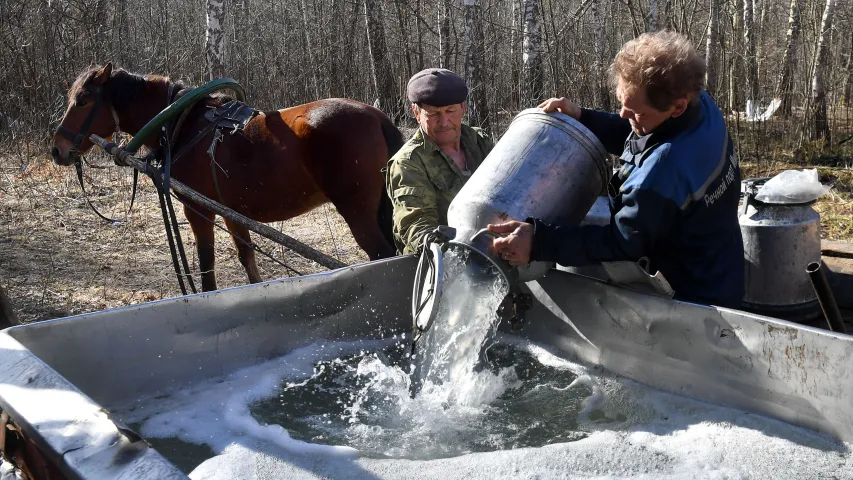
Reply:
x=122 y=88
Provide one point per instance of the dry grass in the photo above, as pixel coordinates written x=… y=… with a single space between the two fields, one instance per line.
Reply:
x=57 y=258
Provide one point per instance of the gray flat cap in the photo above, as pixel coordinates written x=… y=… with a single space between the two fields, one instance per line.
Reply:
x=438 y=87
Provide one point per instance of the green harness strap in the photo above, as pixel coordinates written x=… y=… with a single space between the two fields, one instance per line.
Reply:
x=186 y=101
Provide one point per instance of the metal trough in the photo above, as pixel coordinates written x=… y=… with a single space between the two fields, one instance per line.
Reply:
x=59 y=379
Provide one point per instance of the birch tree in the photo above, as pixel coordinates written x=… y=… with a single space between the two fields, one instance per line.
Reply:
x=712 y=48
x=749 y=53
x=532 y=54
x=819 y=116
x=478 y=109
x=214 y=45
x=380 y=66
x=785 y=83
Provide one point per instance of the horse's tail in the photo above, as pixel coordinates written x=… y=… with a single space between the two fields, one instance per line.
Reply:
x=394 y=141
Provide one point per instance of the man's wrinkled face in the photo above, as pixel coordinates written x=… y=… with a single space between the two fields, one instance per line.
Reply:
x=645 y=118
x=441 y=124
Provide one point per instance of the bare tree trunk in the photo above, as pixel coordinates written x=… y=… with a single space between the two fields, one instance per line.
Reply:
x=749 y=53
x=478 y=108
x=515 y=28
x=122 y=31
x=653 y=23
x=785 y=84
x=760 y=21
x=736 y=66
x=602 y=95
x=404 y=36
x=383 y=79
x=7 y=316
x=444 y=34
x=848 y=84
x=420 y=34
x=214 y=45
x=164 y=7
x=712 y=49
x=309 y=49
x=532 y=54
x=820 y=120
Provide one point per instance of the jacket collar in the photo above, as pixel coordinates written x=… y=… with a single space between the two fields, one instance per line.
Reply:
x=667 y=130
x=468 y=143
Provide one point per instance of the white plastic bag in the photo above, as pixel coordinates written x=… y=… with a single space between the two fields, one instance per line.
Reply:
x=792 y=186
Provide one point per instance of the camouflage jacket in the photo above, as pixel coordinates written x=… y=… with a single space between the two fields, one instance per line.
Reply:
x=422 y=181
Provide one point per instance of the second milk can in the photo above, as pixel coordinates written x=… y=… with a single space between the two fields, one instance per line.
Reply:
x=779 y=241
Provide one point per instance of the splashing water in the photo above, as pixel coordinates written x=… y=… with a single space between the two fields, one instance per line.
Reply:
x=449 y=352
x=455 y=386
x=363 y=401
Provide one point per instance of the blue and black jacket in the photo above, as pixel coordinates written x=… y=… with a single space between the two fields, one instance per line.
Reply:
x=674 y=200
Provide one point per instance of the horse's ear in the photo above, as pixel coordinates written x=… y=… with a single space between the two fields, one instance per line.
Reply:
x=103 y=74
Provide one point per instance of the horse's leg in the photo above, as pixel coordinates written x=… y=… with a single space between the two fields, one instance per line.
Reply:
x=202 y=226
x=363 y=223
x=245 y=253
x=356 y=193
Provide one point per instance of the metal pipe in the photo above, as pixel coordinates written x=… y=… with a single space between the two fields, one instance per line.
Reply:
x=825 y=297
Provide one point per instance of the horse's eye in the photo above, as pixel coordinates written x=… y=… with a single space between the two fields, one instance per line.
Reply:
x=80 y=103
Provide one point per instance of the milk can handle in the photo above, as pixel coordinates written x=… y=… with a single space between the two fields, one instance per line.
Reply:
x=433 y=260
x=484 y=231
x=747 y=199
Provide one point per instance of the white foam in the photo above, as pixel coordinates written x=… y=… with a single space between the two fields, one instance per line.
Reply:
x=216 y=413
x=659 y=435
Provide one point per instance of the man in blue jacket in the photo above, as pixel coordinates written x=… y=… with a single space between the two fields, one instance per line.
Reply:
x=675 y=197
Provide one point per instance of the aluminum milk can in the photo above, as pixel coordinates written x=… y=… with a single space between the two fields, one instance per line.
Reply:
x=546 y=165
x=779 y=241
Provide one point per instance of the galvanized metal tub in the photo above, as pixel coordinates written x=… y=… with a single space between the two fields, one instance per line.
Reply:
x=60 y=379
x=547 y=166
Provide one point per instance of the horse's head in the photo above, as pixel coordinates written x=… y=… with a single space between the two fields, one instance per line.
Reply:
x=88 y=112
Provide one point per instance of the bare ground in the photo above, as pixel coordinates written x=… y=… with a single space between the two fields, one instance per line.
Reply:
x=57 y=258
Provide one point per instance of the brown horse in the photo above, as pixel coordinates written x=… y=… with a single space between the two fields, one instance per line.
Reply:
x=282 y=164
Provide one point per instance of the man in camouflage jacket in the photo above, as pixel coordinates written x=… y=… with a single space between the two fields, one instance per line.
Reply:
x=430 y=169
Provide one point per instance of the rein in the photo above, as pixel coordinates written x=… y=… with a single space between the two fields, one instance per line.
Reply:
x=170 y=221
x=78 y=139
